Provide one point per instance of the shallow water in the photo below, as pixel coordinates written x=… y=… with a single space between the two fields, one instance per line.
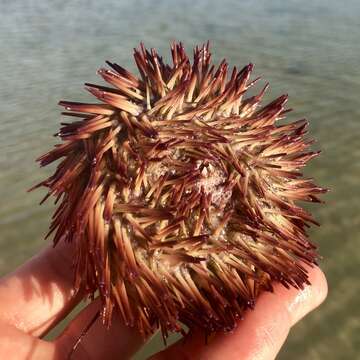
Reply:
x=308 y=49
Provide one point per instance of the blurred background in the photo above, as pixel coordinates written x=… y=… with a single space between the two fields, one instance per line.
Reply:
x=309 y=50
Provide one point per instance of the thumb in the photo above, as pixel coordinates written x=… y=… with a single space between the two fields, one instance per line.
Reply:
x=262 y=332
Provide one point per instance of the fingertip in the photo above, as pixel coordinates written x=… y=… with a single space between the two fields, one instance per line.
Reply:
x=301 y=302
x=320 y=286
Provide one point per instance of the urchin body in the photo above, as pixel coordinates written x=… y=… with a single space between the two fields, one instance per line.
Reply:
x=180 y=193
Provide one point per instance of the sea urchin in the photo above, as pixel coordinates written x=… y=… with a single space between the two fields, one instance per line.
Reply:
x=180 y=193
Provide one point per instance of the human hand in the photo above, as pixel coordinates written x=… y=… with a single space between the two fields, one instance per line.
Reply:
x=39 y=294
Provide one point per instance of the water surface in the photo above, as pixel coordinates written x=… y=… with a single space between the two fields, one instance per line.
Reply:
x=308 y=49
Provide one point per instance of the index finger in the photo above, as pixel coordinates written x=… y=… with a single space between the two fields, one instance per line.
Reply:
x=40 y=292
